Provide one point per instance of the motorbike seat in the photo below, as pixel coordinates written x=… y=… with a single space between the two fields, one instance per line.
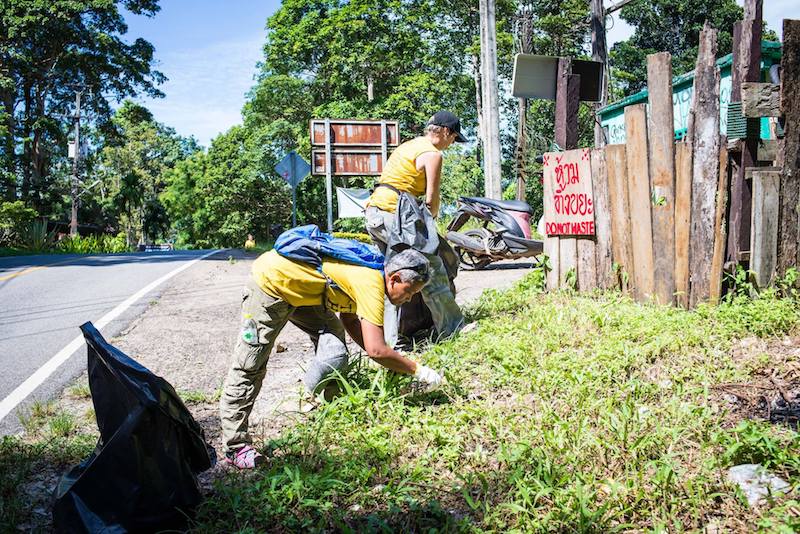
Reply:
x=511 y=205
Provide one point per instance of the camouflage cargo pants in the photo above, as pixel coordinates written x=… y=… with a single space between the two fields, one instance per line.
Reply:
x=249 y=361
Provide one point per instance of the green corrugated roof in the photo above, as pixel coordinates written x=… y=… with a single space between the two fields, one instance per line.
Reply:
x=769 y=49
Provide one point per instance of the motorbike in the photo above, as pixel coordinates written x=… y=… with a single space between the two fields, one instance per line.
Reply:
x=505 y=232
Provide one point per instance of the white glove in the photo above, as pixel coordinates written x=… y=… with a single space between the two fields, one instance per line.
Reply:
x=427 y=378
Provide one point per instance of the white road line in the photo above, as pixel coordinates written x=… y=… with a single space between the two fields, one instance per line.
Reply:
x=36 y=379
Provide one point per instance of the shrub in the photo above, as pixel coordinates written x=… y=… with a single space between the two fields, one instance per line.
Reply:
x=14 y=221
x=93 y=244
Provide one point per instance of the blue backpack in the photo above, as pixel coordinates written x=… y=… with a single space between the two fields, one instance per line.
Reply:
x=309 y=245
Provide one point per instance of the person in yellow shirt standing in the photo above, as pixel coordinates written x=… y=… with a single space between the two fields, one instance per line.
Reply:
x=415 y=168
x=282 y=290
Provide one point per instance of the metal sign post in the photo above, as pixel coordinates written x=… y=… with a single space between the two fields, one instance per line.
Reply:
x=328 y=174
x=345 y=147
x=293 y=168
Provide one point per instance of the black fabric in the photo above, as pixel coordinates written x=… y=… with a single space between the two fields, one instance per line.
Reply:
x=141 y=477
x=414 y=227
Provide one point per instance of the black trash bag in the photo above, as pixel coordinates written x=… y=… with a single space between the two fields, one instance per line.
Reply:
x=141 y=477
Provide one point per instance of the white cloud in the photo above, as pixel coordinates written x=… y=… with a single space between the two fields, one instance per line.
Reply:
x=206 y=87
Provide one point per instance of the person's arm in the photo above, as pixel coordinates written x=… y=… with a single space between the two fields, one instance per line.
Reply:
x=378 y=350
x=352 y=324
x=432 y=163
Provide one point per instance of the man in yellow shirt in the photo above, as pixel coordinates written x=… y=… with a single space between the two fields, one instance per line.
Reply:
x=282 y=290
x=415 y=168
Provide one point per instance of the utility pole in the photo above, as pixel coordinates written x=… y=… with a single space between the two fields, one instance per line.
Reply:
x=73 y=223
x=491 y=115
x=524 y=23
x=600 y=53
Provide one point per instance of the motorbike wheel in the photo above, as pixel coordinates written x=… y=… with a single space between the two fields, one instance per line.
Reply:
x=470 y=260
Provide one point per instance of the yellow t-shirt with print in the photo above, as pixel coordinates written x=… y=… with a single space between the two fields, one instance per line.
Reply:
x=401 y=172
x=359 y=290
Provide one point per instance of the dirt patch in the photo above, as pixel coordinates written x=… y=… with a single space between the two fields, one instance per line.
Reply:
x=772 y=392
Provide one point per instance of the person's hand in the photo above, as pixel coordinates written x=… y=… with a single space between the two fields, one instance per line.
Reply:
x=427 y=379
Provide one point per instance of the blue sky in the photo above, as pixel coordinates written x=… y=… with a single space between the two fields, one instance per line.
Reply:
x=209 y=50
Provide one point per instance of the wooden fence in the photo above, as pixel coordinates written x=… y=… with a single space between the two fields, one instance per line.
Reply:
x=662 y=207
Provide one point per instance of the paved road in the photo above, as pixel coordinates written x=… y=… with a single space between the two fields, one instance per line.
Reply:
x=44 y=299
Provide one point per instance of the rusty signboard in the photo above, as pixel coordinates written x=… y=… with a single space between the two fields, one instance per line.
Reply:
x=356 y=133
x=342 y=147
x=568 y=197
x=353 y=162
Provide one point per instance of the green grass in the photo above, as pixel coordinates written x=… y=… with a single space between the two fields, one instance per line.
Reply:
x=563 y=413
x=199 y=397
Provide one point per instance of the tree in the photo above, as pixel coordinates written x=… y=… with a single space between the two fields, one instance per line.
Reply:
x=47 y=49
x=137 y=154
x=668 y=26
x=216 y=199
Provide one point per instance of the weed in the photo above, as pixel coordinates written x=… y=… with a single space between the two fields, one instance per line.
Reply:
x=19 y=459
x=231 y=260
x=198 y=397
x=563 y=413
x=80 y=391
x=61 y=425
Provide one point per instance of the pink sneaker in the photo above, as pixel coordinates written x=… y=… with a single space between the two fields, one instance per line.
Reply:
x=245 y=458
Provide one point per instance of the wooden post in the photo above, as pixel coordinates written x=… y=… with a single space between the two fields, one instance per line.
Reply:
x=567 y=102
x=764 y=230
x=639 y=201
x=747 y=64
x=566 y=137
x=587 y=266
x=602 y=218
x=551 y=250
x=621 y=245
x=790 y=175
x=705 y=166
x=720 y=231
x=661 y=144
x=683 y=210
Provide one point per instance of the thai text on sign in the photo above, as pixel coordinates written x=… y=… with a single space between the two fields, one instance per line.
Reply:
x=568 y=200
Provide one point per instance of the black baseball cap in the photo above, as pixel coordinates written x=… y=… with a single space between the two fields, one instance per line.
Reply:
x=448 y=120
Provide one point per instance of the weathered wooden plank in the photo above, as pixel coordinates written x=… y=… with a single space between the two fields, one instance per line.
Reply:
x=602 y=214
x=683 y=210
x=661 y=158
x=552 y=253
x=587 y=264
x=639 y=201
x=621 y=246
x=567 y=260
x=789 y=230
x=761 y=99
x=705 y=166
x=720 y=231
x=747 y=62
x=764 y=230
x=551 y=249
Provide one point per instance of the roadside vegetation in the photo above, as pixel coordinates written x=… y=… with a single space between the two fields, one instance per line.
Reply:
x=563 y=412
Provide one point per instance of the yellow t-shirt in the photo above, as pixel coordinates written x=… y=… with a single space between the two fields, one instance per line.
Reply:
x=360 y=289
x=401 y=172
